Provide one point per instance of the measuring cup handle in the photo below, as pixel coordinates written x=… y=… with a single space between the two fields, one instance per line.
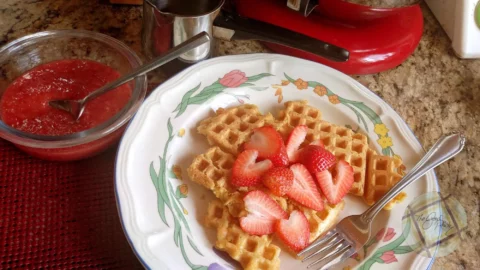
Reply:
x=230 y=27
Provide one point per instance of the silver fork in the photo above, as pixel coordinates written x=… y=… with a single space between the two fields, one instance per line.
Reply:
x=352 y=232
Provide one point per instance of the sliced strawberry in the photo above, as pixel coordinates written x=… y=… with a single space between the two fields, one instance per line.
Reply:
x=297 y=154
x=318 y=143
x=295 y=231
x=245 y=172
x=263 y=212
x=316 y=158
x=304 y=190
x=269 y=145
x=279 y=180
x=296 y=138
x=336 y=187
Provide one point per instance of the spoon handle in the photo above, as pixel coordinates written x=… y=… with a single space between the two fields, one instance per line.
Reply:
x=168 y=56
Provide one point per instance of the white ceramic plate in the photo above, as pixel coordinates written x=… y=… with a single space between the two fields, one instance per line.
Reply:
x=162 y=216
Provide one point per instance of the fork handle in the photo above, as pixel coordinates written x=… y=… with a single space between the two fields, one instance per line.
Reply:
x=445 y=148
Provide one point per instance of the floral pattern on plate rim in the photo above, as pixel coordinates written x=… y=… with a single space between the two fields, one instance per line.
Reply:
x=357 y=107
x=169 y=198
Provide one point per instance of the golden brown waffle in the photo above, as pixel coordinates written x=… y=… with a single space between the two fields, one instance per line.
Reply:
x=253 y=252
x=296 y=113
x=212 y=170
x=230 y=128
x=382 y=173
x=341 y=141
x=320 y=222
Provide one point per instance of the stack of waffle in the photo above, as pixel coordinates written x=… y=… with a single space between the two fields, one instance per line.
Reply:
x=230 y=128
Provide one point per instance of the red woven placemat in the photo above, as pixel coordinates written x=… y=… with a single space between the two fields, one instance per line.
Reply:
x=60 y=215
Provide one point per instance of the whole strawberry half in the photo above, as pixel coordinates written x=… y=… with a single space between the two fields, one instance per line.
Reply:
x=336 y=186
x=279 y=180
x=269 y=144
x=294 y=232
x=304 y=190
x=316 y=158
x=246 y=172
x=263 y=212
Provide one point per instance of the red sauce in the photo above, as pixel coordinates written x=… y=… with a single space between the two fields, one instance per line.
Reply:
x=24 y=104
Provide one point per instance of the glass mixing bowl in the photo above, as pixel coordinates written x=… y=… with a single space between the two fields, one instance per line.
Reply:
x=23 y=54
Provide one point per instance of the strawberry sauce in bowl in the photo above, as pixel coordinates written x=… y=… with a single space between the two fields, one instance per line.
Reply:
x=65 y=65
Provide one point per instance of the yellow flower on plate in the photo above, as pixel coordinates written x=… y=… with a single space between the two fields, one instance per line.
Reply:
x=181 y=132
x=347 y=267
x=385 y=141
x=381 y=129
x=320 y=90
x=185 y=211
x=397 y=156
x=334 y=99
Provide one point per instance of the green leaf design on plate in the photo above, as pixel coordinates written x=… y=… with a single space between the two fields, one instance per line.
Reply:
x=169 y=127
x=258 y=77
x=193 y=245
x=259 y=88
x=176 y=232
x=210 y=92
x=164 y=193
x=185 y=256
x=215 y=87
x=178 y=211
x=402 y=249
x=184 y=103
x=367 y=265
x=359 y=116
x=170 y=174
x=245 y=85
x=288 y=78
x=199 y=267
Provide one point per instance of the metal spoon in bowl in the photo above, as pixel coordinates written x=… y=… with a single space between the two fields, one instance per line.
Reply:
x=76 y=107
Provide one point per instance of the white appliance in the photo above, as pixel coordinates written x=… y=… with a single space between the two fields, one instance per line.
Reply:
x=461 y=21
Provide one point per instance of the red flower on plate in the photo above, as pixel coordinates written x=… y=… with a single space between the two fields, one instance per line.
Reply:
x=387 y=236
x=388 y=257
x=233 y=79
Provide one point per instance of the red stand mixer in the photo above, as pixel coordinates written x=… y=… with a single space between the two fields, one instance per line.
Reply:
x=376 y=39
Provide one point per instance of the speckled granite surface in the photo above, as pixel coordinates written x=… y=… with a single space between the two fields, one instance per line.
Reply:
x=434 y=91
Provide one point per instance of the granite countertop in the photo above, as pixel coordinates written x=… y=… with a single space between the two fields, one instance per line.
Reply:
x=442 y=91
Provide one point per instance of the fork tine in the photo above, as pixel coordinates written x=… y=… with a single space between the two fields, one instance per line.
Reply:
x=320 y=241
x=328 y=247
x=330 y=257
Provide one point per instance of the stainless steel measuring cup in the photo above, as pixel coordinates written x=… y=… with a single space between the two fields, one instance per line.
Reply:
x=167 y=23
